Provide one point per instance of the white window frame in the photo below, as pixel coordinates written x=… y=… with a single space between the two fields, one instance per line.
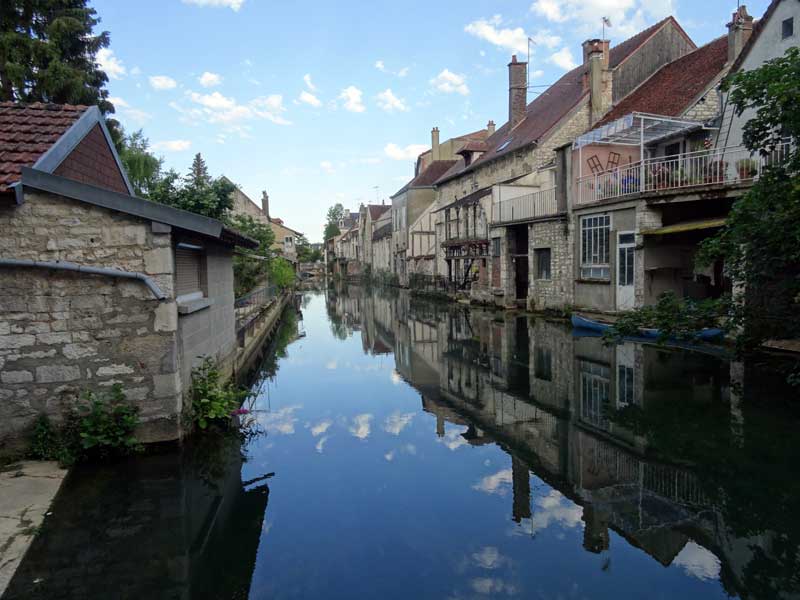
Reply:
x=594 y=268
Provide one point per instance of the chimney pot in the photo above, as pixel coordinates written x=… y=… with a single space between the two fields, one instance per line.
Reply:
x=490 y=127
x=739 y=31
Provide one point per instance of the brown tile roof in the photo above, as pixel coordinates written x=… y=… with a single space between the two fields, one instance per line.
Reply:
x=672 y=89
x=554 y=103
x=376 y=210
x=474 y=146
x=27 y=131
x=429 y=176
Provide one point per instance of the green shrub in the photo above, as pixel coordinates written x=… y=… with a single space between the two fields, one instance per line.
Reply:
x=106 y=424
x=212 y=400
x=45 y=440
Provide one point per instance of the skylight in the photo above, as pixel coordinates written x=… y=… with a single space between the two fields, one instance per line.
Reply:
x=504 y=145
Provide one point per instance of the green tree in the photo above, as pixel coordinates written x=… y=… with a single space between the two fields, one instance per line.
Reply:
x=196 y=192
x=760 y=243
x=281 y=273
x=48 y=53
x=143 y=168
x=251 y=267
x=335 y=214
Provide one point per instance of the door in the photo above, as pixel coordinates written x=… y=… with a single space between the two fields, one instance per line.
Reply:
x=521 y=276
x=626 y=251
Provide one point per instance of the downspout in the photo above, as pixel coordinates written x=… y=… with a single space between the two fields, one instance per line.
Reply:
x=61 y=265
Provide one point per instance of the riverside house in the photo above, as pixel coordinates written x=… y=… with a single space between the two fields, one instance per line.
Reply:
x=99 y=287
x=505 y=230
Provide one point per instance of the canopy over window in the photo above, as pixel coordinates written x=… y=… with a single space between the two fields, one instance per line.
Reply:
x=637 y=129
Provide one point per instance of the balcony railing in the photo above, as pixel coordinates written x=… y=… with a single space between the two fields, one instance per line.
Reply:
x=460 y=231
x=537 y=204
x=720 y=166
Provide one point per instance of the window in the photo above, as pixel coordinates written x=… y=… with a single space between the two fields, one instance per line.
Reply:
x=787 y=28
x=504 y=145
x=625 y=386
x=542 y=258
x=595 y=236
x=595 y=381
x=543 y=363
x=672 y=149
x=496 y=246
x=189 y=278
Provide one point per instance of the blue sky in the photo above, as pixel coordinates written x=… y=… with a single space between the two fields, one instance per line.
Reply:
x=323 y=102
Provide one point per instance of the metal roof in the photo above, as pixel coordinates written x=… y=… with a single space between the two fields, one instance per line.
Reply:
x=637 y=129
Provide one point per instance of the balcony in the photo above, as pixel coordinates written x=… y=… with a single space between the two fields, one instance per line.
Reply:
x=456 y=232
x=735 y=165
x=527 y=207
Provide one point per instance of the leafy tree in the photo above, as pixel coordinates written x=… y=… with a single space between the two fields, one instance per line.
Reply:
x=281 y=273
x=249 y=271
x=335 y=213
x=48 y=53
x=760 y=243
x=143 y=168
x=196 y=192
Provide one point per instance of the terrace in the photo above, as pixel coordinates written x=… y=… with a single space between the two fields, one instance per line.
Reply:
x=527 y=206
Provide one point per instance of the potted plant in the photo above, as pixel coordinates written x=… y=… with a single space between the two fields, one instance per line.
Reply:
x=716 y=171
x=747 y=168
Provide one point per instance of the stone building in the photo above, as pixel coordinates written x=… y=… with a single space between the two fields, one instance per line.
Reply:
x=653 y=179
x=370 y=219
x=511 y=181
x=97 y=286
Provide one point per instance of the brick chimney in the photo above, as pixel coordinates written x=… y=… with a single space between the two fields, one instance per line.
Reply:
x=517 y=91
x=598 y=77
x=490 y=127
x=739 y=31
x=435 y=154
x=265 y=203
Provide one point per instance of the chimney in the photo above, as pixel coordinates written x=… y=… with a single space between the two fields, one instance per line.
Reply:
x=517 y=91
x=490 y=128
x=739 y=31
x=435 y=144
x=595 y=58
x=265 y=203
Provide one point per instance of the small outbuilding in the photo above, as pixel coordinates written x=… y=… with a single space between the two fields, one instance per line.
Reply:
x=97 y=286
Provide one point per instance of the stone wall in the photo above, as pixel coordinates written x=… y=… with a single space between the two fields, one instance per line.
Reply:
x=556 y=292
x=63 y=333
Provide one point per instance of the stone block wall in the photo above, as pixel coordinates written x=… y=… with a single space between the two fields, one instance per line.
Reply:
x=556 y=292
x=551 y=345
x=63 y=333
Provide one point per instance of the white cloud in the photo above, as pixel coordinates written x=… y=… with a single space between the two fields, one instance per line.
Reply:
x=410 y=152
x=552 y=508
x=389 y=456
x=450 y=83
x=110 y=63
x=489 y=557
x=234 y=5
x=380 y=66
x=388 y=102
x=395 y=376
x=488 y=586
x=499 y=483
x=584 y=16
x=537 y=73
x=309 y=98
x=396 y=422
x=327 y=166
x=321 y=443
x=403 y=72
x=217 y=108
x=136 y=71
x=135 y=115
x=361 y=426
x=563 y=58
x=515 y=40
x=118 y=102
x=352 y=98
x=549 y=9
x=453 y=439
x=698 y=562
x=162 y=82
x=331 y=365
x=309 y=83
x=209 y=79
x=173 y=145
x=321 y=427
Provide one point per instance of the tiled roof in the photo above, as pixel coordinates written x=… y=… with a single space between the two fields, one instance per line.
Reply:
x=672 y=89
x=376 y=210
x=429 y=176
x=553 y=104
x=27 y=131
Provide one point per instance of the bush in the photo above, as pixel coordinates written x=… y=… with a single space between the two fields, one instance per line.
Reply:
x=281 y=273
x=212 y=400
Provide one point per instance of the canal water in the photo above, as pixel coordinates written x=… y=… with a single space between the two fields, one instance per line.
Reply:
x=403 y=449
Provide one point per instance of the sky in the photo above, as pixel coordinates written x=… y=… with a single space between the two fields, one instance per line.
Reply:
x=326 y=102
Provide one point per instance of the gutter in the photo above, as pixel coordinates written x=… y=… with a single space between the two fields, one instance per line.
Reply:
x=61 y=265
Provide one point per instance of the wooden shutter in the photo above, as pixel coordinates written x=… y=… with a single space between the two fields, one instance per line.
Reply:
x=187 y=271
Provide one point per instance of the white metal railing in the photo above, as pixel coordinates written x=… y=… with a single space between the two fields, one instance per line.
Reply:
x=537 y=204
x=720 y=166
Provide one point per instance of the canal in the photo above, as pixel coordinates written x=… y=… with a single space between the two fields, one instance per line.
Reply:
x=404 y=449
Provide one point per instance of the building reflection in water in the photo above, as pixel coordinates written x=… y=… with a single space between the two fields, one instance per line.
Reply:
x=649 y=442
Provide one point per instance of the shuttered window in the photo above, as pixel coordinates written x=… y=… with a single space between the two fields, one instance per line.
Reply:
x=187 y=271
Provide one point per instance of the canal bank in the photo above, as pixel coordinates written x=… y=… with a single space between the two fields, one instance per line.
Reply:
x=443 y=451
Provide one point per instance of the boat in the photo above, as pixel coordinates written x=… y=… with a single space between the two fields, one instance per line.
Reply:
x=580 y=322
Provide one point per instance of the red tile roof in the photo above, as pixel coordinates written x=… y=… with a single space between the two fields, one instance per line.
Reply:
x=672 y=89
x=27 y=131
x=376 y=210
x=553 y=104
x=429 y=176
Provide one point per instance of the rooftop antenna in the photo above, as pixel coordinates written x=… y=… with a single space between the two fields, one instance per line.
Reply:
x=377 y=192
x=606 y=23
x=530 y=42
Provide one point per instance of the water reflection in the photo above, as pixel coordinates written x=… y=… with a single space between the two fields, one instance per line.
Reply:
x=668 y=449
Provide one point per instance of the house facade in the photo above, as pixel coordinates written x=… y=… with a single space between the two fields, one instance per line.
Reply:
x=99 y=287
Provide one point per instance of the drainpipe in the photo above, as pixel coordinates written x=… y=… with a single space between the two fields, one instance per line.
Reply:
x=61 y=265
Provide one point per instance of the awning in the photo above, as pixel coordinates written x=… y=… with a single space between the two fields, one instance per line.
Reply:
x=683 y=227
x=637 y=129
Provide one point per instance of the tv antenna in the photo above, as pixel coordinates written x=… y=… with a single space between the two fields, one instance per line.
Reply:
x=530 y=42
x=606 y=23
